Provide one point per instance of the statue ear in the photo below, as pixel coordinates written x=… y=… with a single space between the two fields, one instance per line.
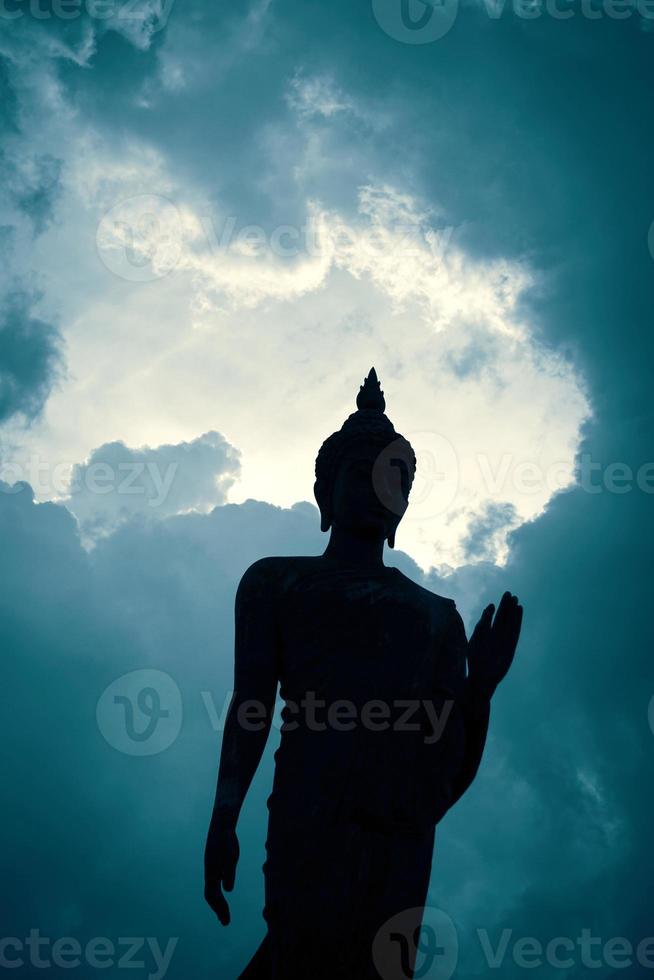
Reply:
x=323 y=506
x=390 y=537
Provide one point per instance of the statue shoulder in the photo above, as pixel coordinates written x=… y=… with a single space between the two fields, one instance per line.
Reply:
x=269 y=572
x=260 y=575
x=431 y=598
x=441 y=609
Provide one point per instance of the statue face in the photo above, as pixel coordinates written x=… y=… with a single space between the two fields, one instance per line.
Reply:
x=370 y=493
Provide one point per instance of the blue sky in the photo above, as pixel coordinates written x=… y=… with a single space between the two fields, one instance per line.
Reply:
x=213 y=221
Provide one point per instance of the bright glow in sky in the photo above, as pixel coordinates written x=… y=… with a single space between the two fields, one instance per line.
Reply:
x=180 y=320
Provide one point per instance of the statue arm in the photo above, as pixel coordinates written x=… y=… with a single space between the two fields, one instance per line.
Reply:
x=489 y=655
x=473 y=706
x=249 y=719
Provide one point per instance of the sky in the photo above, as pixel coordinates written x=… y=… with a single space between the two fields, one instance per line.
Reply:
x=213 y=221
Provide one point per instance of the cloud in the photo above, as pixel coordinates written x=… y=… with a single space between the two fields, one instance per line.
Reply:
x=469 y=360
x=29 y=356
x=74 y=37
x=486 y=532
x=154 y=596
x=555 y=835
x=316 y=95
x=152 y=264
x=41 y=186
x=402 y=293
x=380 y=275
x=117 y=483
x=561 y=805
x=9 y=104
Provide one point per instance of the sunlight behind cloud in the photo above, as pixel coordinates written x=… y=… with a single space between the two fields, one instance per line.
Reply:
x=494 y=417
x=180 y=318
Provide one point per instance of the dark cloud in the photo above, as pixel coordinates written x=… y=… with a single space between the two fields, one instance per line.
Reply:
x=7 y=238
x=572 y=722
x=29 y=356
x=118 y=849
x=104 y=843
x=41 y=186
x=481 y=539
x=9 y=101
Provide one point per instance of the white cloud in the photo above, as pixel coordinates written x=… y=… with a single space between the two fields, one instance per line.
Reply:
x=281 y=345
x=270 y=347
x=117 y=483
x=316 y=95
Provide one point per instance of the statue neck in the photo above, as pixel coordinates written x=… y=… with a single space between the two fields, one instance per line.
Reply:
x=353 y=549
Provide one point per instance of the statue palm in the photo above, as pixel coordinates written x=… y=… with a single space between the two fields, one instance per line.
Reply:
x=493 y=643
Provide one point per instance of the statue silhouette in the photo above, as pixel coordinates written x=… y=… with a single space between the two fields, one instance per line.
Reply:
x=385 y=719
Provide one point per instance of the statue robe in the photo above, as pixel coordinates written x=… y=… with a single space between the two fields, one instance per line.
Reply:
x=362 y=775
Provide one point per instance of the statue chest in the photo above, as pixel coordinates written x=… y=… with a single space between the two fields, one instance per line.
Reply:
x=354 y=637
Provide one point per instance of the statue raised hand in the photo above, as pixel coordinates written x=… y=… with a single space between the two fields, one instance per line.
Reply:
x=493 y=643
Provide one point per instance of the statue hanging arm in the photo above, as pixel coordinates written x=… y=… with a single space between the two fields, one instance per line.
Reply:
x=247 y=727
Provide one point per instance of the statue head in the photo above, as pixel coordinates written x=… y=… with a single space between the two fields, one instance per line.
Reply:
x=365 y=470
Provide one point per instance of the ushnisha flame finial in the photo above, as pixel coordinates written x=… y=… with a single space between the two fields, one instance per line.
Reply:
x=371 y=396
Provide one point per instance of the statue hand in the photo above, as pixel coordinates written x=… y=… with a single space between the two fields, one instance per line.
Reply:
x=220 y=859
x=492 y=646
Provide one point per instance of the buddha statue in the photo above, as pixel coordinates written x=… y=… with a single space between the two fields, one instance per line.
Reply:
x=386 y=712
